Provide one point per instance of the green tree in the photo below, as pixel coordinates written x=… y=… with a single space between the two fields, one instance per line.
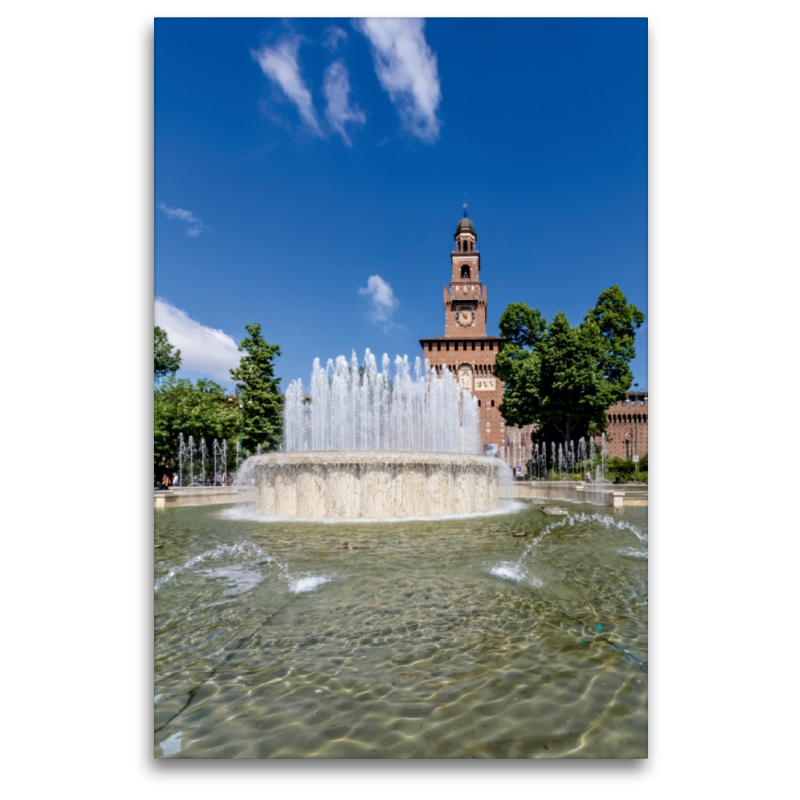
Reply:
x=262 y=402
x=560 y=377
x=618 y=321
x=202 y=410
x=165 y=361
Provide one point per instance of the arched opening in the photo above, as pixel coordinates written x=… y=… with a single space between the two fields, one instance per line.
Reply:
x=492 y=403
x=465 y=271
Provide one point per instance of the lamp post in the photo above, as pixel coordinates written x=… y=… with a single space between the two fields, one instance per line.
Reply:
x=636 y=430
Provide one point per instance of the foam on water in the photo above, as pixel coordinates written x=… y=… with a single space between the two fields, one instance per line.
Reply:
x=172 y=744
x=247 y=512
x=308 y=583
x=632 y=552
x=240 y=549
x=516 y=571
x=240 y=578
x=244 y=577
x=507 y=570
x=513 y=572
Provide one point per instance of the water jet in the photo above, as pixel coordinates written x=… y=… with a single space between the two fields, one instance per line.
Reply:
x=369 y=446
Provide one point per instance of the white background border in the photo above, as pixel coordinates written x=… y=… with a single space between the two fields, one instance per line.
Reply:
x=77 y=257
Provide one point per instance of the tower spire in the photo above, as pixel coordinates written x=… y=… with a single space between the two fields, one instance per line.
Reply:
x=465 y=210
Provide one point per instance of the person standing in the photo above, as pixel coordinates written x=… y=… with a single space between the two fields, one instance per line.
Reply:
x=176 y=481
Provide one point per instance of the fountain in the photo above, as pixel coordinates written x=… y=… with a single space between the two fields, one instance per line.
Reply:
x=482 y=636
x=368 y=446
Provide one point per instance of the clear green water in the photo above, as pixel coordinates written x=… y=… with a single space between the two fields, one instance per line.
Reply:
x=446 y=639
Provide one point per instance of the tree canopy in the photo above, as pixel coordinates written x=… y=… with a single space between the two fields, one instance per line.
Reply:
x=200 y=410
x=560 y=377
x=262 y=402
x=165 y=361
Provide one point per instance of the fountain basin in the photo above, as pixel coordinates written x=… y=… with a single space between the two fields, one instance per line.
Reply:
x=374 y=485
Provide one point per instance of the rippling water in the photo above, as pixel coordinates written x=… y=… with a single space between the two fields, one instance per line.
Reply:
x=494 y=637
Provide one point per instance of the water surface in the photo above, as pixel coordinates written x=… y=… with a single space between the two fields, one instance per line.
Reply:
x=440 y=639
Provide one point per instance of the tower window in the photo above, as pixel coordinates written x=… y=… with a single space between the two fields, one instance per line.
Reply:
x=479 y=403
x=492 y=403
x=465 y=271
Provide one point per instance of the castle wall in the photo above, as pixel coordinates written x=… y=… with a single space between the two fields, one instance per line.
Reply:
x=628 y=421
x=470 y=353
x=472 y=359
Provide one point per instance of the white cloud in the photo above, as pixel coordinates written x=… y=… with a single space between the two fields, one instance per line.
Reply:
x=333 y=36
x=280 y=65
x=406 y=68
x=195 y=224
x=381 y=298
x=339 y=112
x=203 y=349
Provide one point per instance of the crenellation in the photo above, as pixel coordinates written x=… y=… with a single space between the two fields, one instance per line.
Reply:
x=470 y=352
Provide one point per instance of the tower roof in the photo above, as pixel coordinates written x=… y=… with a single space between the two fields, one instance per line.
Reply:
x=465 y=225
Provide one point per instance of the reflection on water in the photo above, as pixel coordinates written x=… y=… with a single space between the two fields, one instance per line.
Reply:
x=505 y=636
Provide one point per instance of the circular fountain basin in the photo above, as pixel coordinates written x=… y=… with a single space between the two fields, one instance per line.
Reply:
x=374 y=484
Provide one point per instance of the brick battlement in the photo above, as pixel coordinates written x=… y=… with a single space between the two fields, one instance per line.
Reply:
x=468 y=351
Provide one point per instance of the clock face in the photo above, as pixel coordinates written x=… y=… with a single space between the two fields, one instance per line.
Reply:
x=465 y=316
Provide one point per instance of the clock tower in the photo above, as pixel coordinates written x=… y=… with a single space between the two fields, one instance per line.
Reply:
x=465 y=348
x=465 y=298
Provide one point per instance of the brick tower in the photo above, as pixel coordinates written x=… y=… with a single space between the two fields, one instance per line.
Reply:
x=465 y=347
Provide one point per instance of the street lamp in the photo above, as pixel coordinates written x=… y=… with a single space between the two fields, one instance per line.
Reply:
x=636 y=430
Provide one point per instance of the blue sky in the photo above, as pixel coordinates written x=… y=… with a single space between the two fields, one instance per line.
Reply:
x=309 y=175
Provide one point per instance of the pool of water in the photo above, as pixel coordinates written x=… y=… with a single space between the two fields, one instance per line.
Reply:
x=509 y=636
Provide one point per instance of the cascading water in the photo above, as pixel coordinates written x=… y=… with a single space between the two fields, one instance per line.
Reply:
x=370 y=445
x=181 y=456
x=203 y=462
x=514 y=570
x=191 y=451
x=220 y=457
x=358 y=407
